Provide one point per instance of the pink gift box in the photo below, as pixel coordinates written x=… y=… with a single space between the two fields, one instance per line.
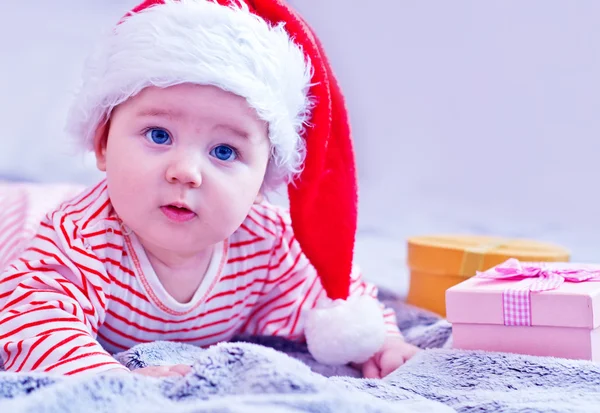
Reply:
x=543 y=309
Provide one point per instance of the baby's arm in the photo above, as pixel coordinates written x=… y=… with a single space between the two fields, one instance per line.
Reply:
x=52 y=302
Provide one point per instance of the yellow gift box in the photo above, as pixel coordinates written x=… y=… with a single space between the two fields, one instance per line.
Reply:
x=437 y=262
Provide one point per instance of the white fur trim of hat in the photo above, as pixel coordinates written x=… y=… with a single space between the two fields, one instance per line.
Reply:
x=202 y=42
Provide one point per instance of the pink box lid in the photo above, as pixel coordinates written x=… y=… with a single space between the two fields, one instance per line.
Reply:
x=480 y=301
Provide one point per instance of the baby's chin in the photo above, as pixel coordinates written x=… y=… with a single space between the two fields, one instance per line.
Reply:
x=186 y=241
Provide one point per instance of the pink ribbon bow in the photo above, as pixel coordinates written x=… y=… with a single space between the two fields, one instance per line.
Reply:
x=534 y=277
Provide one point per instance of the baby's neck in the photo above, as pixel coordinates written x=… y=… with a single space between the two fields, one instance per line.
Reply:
x=175 y=261
x=180 y=274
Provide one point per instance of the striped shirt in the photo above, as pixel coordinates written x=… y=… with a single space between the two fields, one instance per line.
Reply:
x=80 y=288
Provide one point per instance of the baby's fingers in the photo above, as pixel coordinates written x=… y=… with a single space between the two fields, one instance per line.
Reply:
x=370 y=370
x=181 y=369
x=159 y=371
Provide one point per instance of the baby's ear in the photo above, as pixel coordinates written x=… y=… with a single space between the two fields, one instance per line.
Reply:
x=100 y=142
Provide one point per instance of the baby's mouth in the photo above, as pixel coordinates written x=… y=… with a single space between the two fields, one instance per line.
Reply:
x=178 y=208
x=178 y=212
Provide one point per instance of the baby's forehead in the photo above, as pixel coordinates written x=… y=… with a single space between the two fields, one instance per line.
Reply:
x=187 y=96
x=188 y=102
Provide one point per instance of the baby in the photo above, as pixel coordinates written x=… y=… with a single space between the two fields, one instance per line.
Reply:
x=195 y=109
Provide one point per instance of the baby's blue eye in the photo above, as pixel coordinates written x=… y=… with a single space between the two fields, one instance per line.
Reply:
x=224 y=153
x=158 y=136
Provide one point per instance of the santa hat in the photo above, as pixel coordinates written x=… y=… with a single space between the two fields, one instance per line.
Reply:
x=265 y=52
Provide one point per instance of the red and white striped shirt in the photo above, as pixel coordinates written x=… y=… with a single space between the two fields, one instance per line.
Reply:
x=81 y=289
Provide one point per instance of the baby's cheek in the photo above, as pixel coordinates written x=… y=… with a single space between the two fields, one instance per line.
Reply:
x=128 y=191
x=132 y=173
x=234 y=207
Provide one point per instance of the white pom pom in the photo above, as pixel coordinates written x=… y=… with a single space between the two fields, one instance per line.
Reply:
x=341 y=331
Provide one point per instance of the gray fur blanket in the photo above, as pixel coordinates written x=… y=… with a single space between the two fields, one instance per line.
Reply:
x=261 y=374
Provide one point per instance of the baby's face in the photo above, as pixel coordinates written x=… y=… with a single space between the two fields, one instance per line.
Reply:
x=184 y=164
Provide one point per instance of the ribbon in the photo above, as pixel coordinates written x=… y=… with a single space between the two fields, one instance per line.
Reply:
x=533 y=277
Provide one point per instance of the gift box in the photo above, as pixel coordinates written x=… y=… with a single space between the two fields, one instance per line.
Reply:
x=437 y=262
x=542 y=309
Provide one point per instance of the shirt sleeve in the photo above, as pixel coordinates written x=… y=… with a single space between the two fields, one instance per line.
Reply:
x=293 y=288
x=52 y=300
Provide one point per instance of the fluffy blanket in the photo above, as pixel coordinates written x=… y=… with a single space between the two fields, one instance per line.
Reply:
x=261 y=374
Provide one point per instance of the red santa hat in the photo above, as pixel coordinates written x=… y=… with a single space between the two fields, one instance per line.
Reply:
x=265 y=52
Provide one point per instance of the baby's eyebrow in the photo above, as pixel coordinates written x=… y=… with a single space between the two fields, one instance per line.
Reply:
x=160 y=112
x=236 y=131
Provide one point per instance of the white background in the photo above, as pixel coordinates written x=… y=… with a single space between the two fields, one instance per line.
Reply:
x=468 y=116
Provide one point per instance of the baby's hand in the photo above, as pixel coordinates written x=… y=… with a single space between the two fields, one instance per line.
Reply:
x=177 y=370
x=394 y=353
